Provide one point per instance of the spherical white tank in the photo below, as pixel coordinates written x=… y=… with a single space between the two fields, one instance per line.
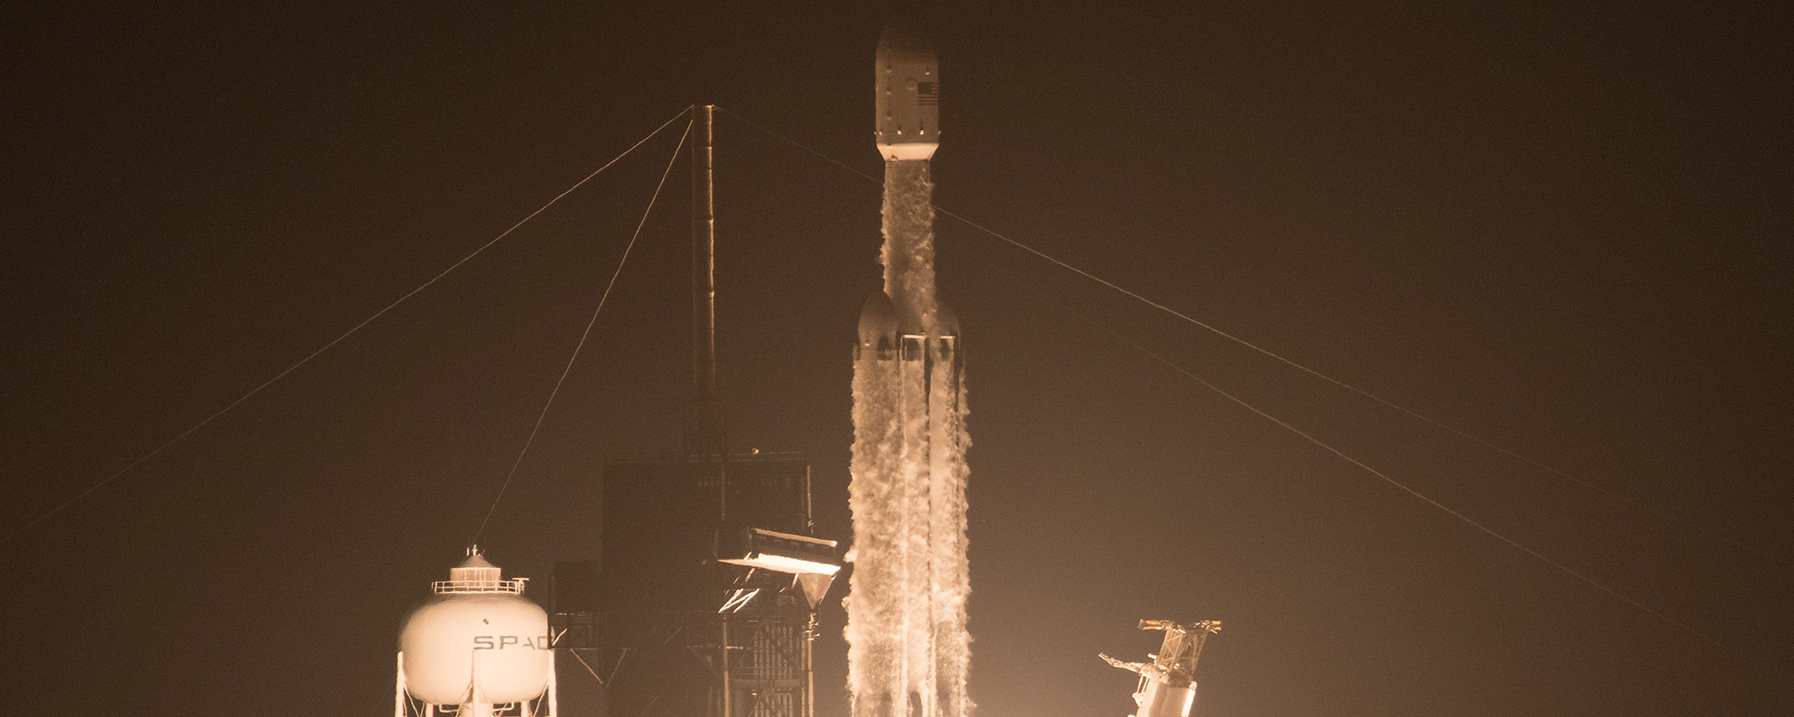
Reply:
x=477 y=642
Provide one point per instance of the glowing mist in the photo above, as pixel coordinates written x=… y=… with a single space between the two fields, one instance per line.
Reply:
x=908 y=649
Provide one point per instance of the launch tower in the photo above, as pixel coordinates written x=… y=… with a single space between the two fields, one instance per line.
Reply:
x=710 y=575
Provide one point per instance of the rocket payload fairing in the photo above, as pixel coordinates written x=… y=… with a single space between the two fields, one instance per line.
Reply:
x=906 y=610
x=908 y=93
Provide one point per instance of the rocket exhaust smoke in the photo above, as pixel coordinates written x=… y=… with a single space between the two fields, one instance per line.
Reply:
x=908 y=649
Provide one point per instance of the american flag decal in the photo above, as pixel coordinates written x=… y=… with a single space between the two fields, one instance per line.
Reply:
x=928 y=94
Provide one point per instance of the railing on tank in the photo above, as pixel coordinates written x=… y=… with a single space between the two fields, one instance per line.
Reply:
x=457 y=587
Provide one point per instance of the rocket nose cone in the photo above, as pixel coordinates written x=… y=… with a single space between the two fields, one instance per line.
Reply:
x=904 y=40
x=878 y=319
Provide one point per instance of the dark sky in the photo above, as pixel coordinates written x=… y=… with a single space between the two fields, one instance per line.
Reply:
x=1562 y=228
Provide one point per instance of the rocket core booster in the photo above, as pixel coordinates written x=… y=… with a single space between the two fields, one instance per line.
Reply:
x=909 y=93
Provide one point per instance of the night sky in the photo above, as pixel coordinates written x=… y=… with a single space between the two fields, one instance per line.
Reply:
x=1562 y=227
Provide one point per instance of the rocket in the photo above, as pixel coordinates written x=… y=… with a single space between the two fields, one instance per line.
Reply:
x=908 y=93
x=908 y=649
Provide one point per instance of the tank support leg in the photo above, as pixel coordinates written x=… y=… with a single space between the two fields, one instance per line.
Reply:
x=398 y=698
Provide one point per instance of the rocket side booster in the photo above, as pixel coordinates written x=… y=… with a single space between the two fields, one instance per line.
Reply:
x=879 y=328
x=908 y=93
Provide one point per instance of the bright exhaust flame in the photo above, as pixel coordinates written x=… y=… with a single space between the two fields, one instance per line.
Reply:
x=906 y=608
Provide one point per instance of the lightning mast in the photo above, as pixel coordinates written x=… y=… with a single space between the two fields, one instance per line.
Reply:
x=703 y=437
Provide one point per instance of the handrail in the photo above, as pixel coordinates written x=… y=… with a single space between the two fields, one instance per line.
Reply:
x=460 y=587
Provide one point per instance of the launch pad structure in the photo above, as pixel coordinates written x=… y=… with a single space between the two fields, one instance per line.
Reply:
x=688 y=633
x=704 y=599
x=1168 y=683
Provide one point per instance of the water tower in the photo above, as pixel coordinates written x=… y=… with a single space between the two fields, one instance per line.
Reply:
x=477 y=648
